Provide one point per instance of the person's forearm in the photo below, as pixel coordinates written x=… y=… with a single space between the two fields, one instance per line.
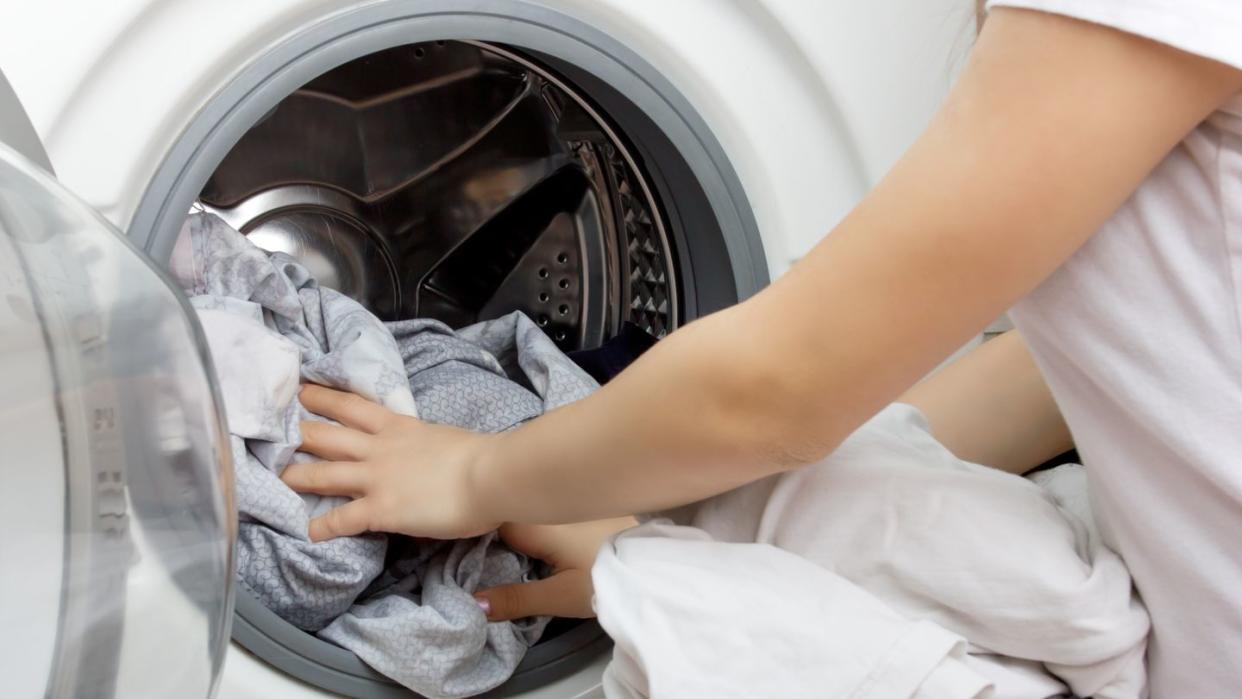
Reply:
x=748 y=392
x=992 y=407
x=1027 y=159
x=703 y=411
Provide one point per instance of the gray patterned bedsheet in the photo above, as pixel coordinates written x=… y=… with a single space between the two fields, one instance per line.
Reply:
x=403 y=605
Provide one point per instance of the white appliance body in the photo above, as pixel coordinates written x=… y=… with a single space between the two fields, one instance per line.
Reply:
x=810 y=102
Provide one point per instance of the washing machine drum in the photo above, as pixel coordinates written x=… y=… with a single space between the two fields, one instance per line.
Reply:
x=117 y=523
x=457 y=181
x=462 y=181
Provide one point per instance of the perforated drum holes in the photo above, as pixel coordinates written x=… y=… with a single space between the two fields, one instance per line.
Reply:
x=585 y=234
x=563 y=310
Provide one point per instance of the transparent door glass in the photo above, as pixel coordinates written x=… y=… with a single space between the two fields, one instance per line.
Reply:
x=113 y=449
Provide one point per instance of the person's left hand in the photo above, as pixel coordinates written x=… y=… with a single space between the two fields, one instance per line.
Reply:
x=570 y=549
x=405 y=475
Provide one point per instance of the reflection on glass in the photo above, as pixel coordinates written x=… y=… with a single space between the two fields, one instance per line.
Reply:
x=110 y=402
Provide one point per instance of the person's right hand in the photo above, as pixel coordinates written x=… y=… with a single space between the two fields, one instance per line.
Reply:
x=570 y=549
x=405 y=475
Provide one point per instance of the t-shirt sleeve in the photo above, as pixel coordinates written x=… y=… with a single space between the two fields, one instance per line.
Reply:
x=1209 y=28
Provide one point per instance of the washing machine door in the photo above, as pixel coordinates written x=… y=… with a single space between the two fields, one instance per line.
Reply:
x=116 y=516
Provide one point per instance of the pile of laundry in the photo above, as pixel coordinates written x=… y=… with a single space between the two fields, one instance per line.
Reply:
x=404 y=606
x=890 y=569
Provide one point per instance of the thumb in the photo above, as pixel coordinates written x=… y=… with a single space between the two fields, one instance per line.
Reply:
x=564 y=594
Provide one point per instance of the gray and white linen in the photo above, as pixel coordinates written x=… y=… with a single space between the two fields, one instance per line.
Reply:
x=270 y=326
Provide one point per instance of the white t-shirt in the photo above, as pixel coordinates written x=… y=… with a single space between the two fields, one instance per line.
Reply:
x=1139 y=334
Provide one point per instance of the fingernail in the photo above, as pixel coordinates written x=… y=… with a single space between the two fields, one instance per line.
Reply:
x=484 y=604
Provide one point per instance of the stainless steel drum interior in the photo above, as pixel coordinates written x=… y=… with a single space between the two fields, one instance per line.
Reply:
x=459 y=181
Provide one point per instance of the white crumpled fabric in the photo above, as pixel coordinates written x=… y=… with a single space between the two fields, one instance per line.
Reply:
x=820 y=582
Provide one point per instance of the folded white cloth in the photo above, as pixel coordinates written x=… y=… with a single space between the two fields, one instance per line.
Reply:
x=693 y=617
x=988 y=556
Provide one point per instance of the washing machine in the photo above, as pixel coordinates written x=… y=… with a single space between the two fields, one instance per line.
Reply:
x=589 y=162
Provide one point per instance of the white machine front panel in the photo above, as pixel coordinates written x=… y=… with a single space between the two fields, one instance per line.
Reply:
x=812 y=100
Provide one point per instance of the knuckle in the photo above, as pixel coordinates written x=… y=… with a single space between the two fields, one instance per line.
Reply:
x=292 y=475
x=340 y=521
x=310 y=476
x=332 y=521
x=302 y=476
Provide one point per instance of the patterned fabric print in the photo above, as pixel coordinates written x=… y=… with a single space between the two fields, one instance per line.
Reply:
x=419 y=625
x=415 y=621
x=530 y=357
x=307 y=584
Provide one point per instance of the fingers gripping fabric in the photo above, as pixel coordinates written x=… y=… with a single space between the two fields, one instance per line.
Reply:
x=270 y=327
